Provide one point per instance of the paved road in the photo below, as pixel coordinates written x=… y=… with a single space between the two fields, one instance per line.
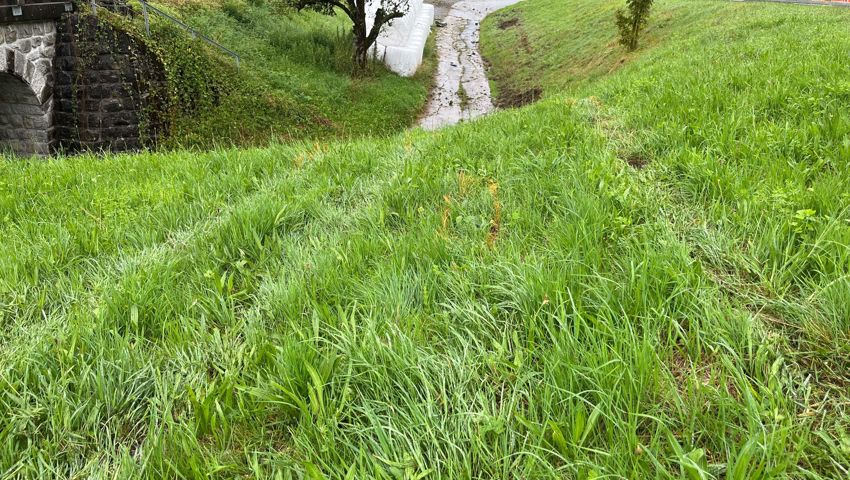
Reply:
x=461 y=89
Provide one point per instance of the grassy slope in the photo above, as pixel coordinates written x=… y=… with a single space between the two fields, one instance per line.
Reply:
x=563 y=47
x=505 y=299
x=295 y=80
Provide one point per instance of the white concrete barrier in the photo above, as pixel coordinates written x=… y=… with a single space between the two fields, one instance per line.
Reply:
x=402 y=44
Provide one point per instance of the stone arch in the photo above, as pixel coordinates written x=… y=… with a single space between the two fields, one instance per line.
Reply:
x=26 y=88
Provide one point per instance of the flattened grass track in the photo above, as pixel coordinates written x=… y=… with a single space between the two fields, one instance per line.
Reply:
x=646 y=274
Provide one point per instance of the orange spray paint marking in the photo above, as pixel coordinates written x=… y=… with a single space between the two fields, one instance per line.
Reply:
x=496 y=221
x=447 y=214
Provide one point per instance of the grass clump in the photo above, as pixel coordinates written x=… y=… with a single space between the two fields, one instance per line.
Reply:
x=509 y=298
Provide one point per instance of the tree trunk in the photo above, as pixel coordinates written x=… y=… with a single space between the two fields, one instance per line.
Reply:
x=361 y=53
x=361 y=38
x=633 y=41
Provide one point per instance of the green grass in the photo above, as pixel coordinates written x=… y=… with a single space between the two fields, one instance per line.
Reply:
x=551 y=46
x=509 y=298
x=296 y=79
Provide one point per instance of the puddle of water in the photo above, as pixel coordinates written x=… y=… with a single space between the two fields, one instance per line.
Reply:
x=461 y=90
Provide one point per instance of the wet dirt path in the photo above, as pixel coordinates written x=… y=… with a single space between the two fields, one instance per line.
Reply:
x=461 y=91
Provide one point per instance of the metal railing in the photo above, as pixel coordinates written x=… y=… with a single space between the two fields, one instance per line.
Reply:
x=195 y=34
x=147 y=7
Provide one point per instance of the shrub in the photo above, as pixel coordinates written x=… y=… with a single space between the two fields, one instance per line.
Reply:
x=630 y=24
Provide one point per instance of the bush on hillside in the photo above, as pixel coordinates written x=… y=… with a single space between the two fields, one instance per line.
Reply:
x=630 y=24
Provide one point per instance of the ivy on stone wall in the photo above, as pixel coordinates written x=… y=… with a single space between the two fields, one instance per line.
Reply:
x=199 y=78
x=111 y=89
x=166 y=80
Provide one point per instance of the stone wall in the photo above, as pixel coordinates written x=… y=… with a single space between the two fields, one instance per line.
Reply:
x=110 y=88
x=79 y=82
x=26 y=79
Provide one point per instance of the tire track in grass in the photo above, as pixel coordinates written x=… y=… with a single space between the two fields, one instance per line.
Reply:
x=95 y=273
x=189 y=248
x=183 y=359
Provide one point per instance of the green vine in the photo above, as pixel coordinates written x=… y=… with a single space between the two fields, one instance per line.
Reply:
x=193 y=79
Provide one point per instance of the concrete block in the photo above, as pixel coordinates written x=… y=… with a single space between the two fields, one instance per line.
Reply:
x=402 y=43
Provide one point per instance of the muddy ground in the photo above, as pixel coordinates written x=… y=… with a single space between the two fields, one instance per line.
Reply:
x=461 y=90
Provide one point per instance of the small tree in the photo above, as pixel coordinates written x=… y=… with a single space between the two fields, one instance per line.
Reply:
x=355 y=10
x=631 y=23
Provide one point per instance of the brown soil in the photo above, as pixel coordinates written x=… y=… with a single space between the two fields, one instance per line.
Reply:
x=509 y=23
x=637 y=161
x=509 y=98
